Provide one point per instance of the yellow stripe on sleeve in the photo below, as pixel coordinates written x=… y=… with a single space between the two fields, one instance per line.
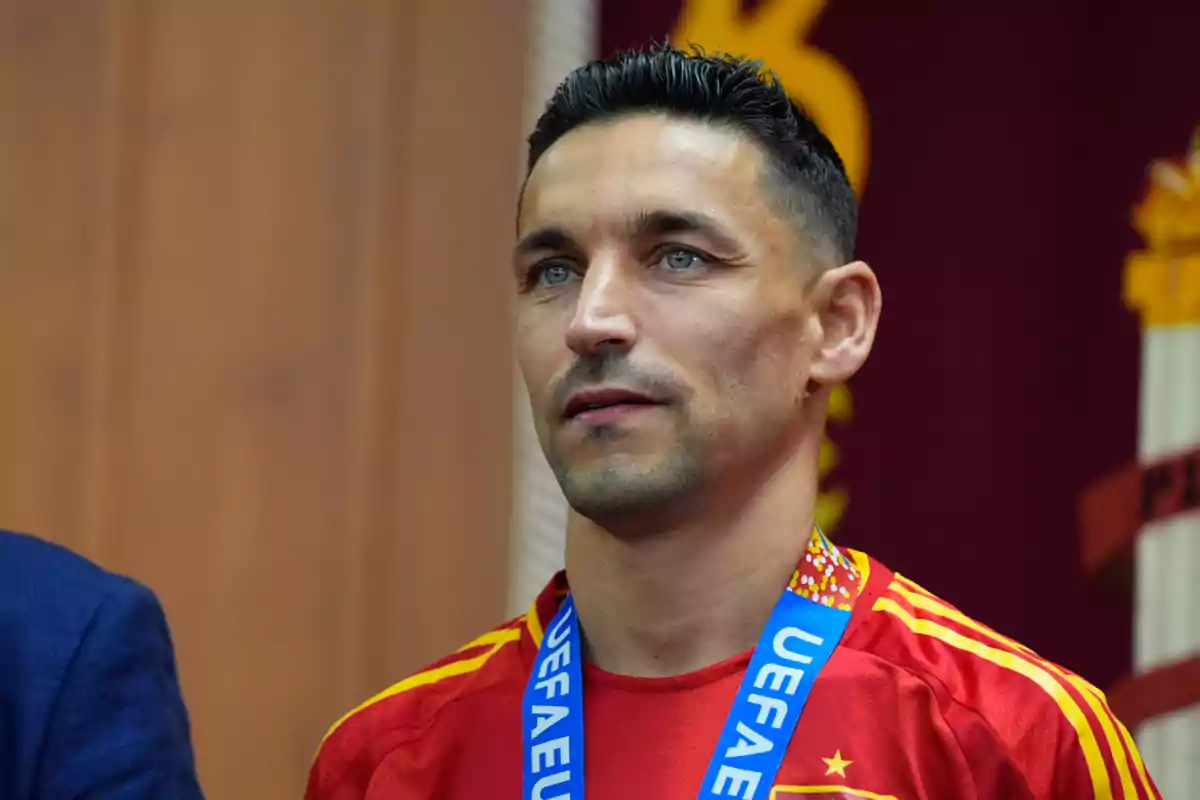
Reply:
x=498 y=636
x=1117 y=738
x=1127 y=738
x=928 y=602
x=498 y=639
x=862 y=563
x=1101 y=787
x=534 y=624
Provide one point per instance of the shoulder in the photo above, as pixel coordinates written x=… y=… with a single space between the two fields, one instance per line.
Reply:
x=365 y=737
x=1054 y=726
x=29 y=561
x=64 y=615
x=52 y=594
x=67 y=626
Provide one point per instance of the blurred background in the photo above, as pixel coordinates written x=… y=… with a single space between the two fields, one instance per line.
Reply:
x=254 y=326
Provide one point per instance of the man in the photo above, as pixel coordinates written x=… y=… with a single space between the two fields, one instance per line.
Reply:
x=89 y=700
x=686 y=301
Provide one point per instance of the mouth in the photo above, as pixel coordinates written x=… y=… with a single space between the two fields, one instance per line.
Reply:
x=599 y=405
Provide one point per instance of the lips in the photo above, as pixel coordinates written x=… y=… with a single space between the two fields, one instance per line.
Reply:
x=600 y=399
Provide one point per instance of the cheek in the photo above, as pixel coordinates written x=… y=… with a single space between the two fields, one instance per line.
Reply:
x=756 y=363
x=538 y=355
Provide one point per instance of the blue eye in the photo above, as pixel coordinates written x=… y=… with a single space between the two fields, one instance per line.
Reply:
x=553 y=274
x=679 y=260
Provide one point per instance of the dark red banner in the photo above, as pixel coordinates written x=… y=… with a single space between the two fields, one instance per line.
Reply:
x=1114 y=510
x=1003 y=148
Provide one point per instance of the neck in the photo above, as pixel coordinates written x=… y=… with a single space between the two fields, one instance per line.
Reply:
x=696 y=592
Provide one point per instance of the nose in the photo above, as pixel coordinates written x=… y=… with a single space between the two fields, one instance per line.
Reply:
x=604 y=318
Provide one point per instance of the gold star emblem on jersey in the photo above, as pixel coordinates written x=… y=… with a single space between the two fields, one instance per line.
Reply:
x=837 y=765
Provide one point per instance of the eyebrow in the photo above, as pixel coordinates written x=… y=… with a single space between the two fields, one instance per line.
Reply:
x=665 y=223
x=544 y=239
x=644 y=224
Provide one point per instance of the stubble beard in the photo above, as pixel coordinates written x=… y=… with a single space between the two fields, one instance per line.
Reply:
x=633 y=497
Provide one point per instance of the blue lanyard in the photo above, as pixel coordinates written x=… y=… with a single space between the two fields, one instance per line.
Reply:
x=795 y=644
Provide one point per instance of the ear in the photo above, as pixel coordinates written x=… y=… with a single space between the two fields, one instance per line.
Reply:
x=846 y=306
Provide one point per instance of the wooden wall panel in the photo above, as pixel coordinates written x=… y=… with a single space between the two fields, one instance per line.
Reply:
x=63 y=101
x=254 y=335
x=452 y=325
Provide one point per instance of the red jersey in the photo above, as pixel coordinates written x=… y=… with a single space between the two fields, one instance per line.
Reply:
x=917 y=701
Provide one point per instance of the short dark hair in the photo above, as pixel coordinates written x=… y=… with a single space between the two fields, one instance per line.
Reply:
x=723 y=90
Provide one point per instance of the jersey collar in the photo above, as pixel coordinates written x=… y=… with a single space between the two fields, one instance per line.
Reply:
x=826 y=574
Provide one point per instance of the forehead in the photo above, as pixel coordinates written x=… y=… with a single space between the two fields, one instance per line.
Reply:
x=604 y=172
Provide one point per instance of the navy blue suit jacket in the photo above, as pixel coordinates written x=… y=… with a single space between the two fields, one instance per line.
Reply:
x=90 y=707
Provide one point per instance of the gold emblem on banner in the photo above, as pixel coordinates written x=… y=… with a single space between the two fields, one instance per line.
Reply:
x=1163 y=280
x=776 y=35
x=831 y=503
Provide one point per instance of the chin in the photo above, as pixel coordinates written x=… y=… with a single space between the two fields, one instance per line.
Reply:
x=608 y=471
x=617 y=487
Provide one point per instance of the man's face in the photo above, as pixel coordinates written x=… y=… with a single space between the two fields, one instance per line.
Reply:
x=662 y=327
